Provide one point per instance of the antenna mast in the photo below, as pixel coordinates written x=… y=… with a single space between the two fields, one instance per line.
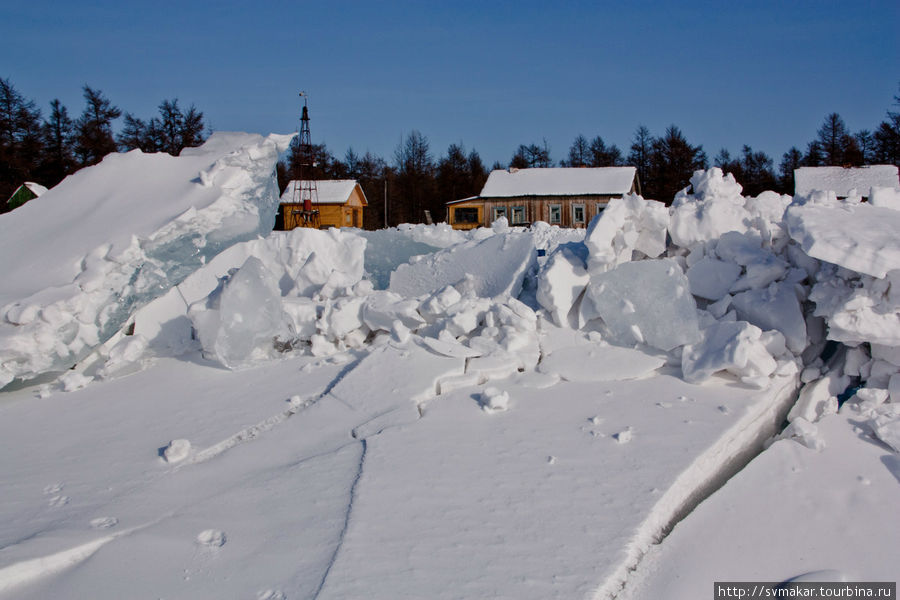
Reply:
x=305 y=190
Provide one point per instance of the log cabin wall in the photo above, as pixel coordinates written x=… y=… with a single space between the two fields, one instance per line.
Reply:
x=565 y=211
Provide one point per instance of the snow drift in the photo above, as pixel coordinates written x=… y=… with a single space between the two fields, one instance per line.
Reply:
x=119 y=234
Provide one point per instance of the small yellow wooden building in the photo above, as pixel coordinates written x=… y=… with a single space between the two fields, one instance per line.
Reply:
x=340 y=204
x=567 y=197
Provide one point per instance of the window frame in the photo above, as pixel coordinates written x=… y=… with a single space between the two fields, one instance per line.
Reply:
x=575 y=219
x=557 y=208
x=512 y=215
x=471 y=210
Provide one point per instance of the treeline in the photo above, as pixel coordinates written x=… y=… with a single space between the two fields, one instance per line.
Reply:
x=412 y=181
x=45 y=150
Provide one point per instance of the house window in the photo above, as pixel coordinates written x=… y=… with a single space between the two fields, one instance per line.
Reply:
x=578 y=213
x=499 y=211
x=518 y=215
x=600 y=207
x=465 y=215
x=555 y=213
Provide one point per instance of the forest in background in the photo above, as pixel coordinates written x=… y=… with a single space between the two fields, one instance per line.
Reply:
x=413 y=180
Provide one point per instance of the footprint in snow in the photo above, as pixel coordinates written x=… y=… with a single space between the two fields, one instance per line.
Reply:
x=211 y=538
x=57 y=501
x=271 y=595
x=104 y=522
x=53 y=489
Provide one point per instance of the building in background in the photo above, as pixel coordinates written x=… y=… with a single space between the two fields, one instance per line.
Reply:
x=844 y=181
x=565 y=196
x=25 y=192
x=339 y=203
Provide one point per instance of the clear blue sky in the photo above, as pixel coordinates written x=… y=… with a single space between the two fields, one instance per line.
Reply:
x=491 y=75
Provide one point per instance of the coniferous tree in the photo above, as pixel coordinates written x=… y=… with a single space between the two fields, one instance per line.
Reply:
x=414 y=186
x=93 y=129
x=531 y=156
x=723 y=160
x=373 y=176
x=579 y=153
x=58 y=135
x=832 y=138
x=866 y=144
x=452 y=174
x=134 y=135
x=672 y=163
x=639 y=156
x=790 y=162
x=757 y=172
x=351 y=163
x=813 y=156
x=602 y=155
x=477 y=173
x=171 y=132
x=887 y=138
x=192 y=128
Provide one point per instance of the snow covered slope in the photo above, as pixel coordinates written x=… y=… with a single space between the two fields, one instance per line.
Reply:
x=111 y=237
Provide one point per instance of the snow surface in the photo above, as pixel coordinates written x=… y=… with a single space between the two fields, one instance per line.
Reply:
x=421 y=412
x=327 y=191
x=844 y=181
x=793 y=511
x=559 y=181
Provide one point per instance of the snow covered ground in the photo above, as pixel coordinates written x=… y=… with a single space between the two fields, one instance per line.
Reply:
x=420 y=412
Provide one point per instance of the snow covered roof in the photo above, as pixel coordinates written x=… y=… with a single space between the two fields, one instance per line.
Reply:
x=842 y=180
x=334 y=191
x=36 y=188
x=563 y=181
x=469 y=199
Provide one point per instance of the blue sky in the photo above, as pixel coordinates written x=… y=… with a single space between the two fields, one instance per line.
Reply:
x=491 y=75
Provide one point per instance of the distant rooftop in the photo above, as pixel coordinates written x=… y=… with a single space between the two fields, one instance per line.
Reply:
x=562 y=181
x=335 y=191
x=842 y=180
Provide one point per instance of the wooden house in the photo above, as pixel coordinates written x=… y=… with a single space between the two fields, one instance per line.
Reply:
x=340 y=204
x=844 y=181
x=567 y=197
x=25 y=192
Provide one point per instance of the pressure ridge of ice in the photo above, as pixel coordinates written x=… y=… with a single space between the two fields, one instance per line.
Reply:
x=117 y=235
x=749 y=287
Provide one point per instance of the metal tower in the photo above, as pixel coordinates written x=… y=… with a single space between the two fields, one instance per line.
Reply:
x=305 y=190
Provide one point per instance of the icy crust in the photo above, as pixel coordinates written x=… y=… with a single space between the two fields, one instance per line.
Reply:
x=156 y=218
x=866 y=241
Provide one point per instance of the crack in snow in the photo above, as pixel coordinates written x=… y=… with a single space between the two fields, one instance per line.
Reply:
x=709 y=472
x=337 y=550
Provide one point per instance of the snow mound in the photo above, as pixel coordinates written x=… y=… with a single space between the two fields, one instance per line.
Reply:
x=124 y=232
